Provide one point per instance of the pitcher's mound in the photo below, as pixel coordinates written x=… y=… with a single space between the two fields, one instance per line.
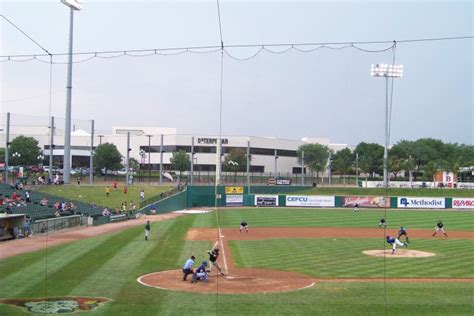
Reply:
x=400 y=253
x=241 y=281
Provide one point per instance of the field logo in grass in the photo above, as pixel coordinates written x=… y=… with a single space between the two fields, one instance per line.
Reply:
x=57 y=305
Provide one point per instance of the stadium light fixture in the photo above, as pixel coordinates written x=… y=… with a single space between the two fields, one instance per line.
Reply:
x=386 y=71
x=74 y=5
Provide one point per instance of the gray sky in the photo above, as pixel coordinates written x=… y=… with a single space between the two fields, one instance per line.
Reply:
x=327 y=93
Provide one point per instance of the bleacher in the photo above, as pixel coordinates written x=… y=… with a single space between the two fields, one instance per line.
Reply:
x=37 y=211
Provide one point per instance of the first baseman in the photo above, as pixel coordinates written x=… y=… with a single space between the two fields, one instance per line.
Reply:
x=439 y=227
x=244 y=225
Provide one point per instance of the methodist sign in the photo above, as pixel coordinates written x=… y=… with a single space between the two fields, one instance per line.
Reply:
x=310 y=200
x=417 y=202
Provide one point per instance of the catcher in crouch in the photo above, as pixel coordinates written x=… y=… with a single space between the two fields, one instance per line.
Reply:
x=213 y=255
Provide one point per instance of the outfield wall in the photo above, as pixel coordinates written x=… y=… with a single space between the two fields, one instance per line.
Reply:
x=265 y=196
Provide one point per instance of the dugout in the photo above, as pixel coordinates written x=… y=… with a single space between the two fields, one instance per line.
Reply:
x=11 y=225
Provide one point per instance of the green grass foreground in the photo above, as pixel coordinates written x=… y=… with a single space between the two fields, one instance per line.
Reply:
x=96 y=193
x=108 y=266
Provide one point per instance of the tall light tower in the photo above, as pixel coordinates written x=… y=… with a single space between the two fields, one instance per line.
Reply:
x=386 y=71
x=74 y=5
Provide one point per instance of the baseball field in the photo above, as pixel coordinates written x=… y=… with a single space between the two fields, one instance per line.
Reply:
x=291 y=262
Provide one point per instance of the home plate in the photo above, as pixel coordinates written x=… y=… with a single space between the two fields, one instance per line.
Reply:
x=230 y=277
x=222 y=236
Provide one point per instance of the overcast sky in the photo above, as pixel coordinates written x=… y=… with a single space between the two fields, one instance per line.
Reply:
x=326 y=93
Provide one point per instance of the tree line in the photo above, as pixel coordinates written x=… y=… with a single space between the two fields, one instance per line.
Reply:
x=420 y=158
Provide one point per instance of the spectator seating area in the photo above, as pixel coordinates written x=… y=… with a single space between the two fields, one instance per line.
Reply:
x=43 y=205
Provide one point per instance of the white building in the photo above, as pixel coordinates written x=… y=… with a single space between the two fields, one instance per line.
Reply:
x=268 y=154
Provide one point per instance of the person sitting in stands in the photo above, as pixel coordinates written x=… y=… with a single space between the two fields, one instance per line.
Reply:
x=40 y=180
x=44 y=202
x=56 y=206
x=106 y=212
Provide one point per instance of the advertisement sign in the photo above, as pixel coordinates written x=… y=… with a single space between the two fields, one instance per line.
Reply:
x=365 y=201
x=234 y=190
x=310 y=200
x=283 y=181
x=266 y=200
x=463 y=203
x=234 y=200
x=416 y=202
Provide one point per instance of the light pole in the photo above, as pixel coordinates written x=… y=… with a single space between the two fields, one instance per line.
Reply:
x=40 y=158
x=386 y=71
x=74 y=5
x=149 y=157
x=100 y=139
x=143 y=157
x=15 y=156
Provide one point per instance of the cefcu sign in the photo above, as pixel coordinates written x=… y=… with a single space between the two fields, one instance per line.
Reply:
x=310 y=200
x=463 y=203
x=414 y=202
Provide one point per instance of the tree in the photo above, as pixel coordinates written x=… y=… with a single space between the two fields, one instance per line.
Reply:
x=429 y=170
x=235 y=161
x=107 y=157
x=28 y=150
x=315 y=157
x=395 y=165
x=342 y=162
x=370 y=157
x=180 y=161
x=2 y=154
x=409 y=165
x=133 y=164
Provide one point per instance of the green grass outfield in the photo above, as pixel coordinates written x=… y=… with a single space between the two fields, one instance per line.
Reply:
x=108 y=266
x=96 y=193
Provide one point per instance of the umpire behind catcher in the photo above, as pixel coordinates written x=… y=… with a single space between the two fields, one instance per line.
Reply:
x=188 y=267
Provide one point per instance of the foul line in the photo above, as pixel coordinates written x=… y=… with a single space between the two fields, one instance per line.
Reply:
x=223 y=252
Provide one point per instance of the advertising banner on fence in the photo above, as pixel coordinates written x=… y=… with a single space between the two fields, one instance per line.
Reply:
x=366 y=201
x=234 y=190
x=266 y=200
x=463 y=203
x=417 y=202
x=234 y=200
x=310 y=200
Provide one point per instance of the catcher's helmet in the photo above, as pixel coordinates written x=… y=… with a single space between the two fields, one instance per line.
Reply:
x=216 y=249
x=204 y=263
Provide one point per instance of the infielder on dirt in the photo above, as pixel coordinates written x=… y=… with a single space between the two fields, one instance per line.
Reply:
x=439 y=227
x=244 y=225
x=213 y=255
x=395 y=242
x=403 y=232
